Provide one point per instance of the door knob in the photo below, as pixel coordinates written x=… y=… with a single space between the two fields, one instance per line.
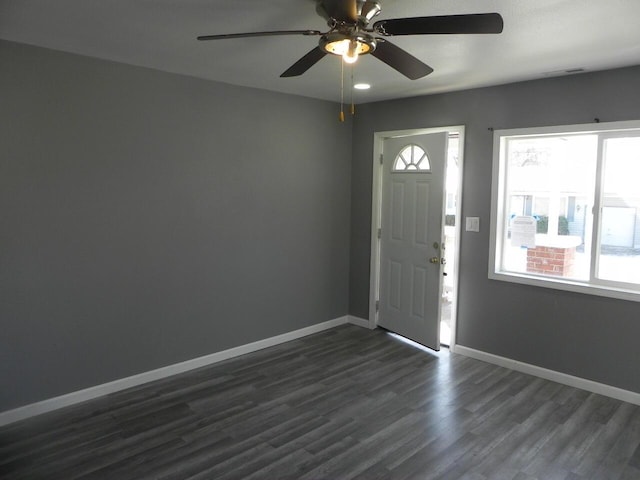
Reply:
x=434 y=260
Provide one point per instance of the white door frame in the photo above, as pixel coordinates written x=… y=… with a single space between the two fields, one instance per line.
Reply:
x=376 y=217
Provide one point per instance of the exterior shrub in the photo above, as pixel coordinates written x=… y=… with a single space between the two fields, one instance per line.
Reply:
x=543 y=224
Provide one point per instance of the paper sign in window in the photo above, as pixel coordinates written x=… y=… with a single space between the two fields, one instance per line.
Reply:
x=523 y=231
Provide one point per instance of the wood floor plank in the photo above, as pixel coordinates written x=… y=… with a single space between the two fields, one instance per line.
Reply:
x=346 y=403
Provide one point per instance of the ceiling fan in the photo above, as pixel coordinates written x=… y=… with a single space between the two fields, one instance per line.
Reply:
x=349 y=35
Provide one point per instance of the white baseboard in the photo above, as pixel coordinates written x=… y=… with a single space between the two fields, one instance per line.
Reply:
x=565 y=379
x=360 y=322
x=55 y=403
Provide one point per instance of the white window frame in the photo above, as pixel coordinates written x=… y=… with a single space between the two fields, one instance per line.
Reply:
x=498 y=201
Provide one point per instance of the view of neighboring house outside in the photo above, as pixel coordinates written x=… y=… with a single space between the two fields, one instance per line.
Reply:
x=553 y=178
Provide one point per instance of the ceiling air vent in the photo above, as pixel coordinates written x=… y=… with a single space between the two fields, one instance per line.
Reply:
x=568 y=71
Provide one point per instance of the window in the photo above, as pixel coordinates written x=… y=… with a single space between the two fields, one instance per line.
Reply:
x=412 y=158
x=566 y=208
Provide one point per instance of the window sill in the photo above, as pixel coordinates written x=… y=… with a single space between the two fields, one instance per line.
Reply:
x=567 y=285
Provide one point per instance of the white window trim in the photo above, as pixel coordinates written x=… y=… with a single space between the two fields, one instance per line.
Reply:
x=498 y=187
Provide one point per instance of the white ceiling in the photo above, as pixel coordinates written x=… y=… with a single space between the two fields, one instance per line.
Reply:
x=541 y=38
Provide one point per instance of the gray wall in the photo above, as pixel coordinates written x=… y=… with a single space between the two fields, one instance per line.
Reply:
x=149 y=218
x=591 y=337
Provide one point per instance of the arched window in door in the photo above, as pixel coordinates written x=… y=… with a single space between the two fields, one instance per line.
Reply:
x=412 y=158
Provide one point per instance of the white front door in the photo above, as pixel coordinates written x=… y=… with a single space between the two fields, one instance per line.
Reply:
x=411 y=236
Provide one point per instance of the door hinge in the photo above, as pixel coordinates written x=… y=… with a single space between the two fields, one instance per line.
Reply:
x=377 y=305
x=381 y=158
x=379 y=233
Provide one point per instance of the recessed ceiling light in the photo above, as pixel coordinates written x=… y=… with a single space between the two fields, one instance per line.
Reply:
x=362 y=86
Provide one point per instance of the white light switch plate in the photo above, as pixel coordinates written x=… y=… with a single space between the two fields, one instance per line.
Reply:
x=473 y=224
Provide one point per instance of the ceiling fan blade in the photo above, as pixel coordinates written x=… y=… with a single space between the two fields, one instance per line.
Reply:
x=259 y=34
x=305 y=63
x=445 y=24
x=403 y=62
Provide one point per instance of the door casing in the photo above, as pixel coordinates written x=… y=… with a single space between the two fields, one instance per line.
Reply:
x=376 y=217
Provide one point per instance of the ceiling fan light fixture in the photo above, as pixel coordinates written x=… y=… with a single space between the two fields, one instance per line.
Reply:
x=348 y=46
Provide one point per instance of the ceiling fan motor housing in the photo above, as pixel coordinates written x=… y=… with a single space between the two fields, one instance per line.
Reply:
x=359 y=12
x=367 y=11
x=348 y=21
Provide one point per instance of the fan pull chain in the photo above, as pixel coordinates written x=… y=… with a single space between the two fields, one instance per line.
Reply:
x=353 y=107
x=341 y=91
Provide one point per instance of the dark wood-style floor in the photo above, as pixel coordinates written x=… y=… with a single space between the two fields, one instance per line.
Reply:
x=347 y=403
